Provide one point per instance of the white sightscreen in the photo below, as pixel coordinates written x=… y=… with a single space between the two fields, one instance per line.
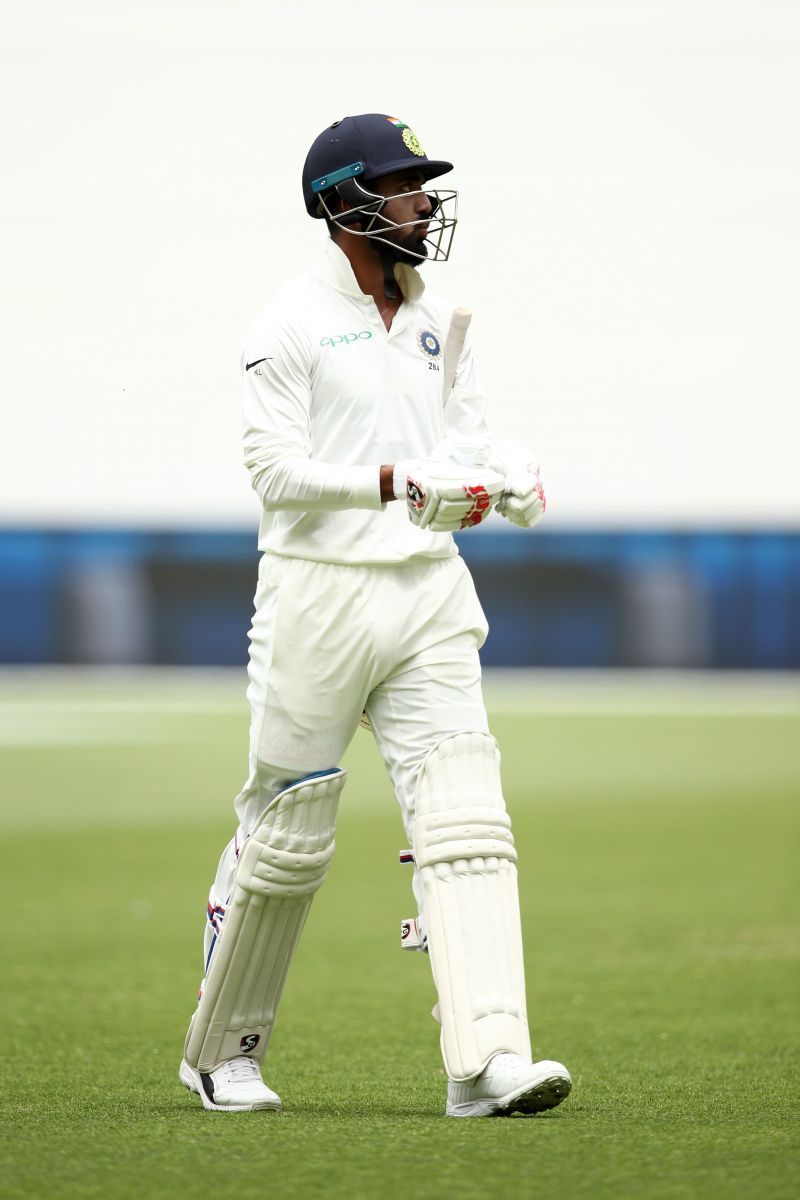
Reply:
x=630 y=238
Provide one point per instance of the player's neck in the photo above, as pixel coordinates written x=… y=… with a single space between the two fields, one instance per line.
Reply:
x=368 y=270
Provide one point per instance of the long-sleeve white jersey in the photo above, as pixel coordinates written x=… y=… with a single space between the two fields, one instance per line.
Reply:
x=330 y=395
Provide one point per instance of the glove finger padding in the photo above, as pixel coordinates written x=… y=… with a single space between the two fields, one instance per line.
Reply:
x=523 y=501
x=443 y=497
x=523 y=511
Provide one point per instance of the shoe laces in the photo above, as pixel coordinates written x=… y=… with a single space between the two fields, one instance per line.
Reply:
x=242 y=1070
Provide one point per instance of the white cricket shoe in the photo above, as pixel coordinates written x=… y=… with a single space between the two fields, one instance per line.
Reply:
x=233 y=1086
x=510 y=1084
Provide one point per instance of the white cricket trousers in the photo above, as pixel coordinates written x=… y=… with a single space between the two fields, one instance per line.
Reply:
x=329 y=641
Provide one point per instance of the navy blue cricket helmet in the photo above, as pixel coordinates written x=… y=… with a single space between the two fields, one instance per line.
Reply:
x=365 y=147
x=348 y=155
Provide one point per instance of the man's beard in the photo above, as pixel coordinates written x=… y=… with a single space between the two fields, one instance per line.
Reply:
x=397 y=245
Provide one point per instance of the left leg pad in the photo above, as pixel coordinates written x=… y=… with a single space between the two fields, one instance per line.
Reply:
x=466 y=860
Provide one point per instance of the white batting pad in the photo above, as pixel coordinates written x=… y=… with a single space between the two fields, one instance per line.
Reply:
x=281 y=866
x=466 y=860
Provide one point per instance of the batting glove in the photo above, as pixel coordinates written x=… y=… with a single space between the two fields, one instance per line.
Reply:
x=446 y=496
x=522 y=501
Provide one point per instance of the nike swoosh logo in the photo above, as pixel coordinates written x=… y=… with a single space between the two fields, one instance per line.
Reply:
x=257 y=361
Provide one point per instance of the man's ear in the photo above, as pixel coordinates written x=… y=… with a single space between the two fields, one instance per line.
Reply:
x=334 y=201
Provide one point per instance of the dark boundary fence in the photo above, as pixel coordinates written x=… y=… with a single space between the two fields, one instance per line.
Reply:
x=577 y=598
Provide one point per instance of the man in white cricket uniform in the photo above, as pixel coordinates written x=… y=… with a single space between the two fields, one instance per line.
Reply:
x=366 y=440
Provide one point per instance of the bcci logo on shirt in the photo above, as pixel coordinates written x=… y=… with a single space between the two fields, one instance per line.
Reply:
x=429 y=344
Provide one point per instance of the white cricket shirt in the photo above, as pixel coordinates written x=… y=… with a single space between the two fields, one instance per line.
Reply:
x=330 y=395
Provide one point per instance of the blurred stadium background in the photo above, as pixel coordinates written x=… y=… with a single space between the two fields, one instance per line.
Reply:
x=719 y=599
x=628 y=242
x=630 y=245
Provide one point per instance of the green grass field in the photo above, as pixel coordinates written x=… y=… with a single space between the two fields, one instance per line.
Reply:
x=658 y=847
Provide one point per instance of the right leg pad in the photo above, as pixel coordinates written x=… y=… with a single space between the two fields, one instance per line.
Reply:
x=280 y=868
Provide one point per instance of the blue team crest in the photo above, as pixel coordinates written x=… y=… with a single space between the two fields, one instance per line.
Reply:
x=429 y=343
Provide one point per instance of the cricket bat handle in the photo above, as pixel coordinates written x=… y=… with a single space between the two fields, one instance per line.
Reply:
x=454 y=344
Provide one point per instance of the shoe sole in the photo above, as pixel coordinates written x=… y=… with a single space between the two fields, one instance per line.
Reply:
x=190 y=1080
x=532 y=1098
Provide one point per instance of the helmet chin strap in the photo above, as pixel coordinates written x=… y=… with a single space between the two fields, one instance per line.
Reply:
x=388 y=259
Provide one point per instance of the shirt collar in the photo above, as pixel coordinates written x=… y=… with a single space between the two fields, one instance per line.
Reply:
x=337 y=272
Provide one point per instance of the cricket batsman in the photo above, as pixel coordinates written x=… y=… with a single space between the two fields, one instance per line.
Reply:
x=366 y=441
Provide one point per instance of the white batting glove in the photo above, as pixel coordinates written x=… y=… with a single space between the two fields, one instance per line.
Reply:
x=446 y=496
x=467 y=449
x=523 y=501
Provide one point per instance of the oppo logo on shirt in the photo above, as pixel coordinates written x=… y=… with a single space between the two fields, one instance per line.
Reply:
x=339 y=339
